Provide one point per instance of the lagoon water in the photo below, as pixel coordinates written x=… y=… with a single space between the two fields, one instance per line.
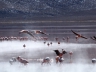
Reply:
x=83 y=50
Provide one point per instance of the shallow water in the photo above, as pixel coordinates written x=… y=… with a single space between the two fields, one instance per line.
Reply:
x=83 y=50
x=81 y=59
x=6 y=67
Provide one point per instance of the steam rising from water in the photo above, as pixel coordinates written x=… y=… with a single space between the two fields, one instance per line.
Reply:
x=32 y=47
x=7 y=46
x=6 y=67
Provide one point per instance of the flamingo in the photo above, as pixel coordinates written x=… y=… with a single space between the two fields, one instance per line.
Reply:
x=21 y=60
x=12 y=60
x=67 y=39
x=93 y=38
x=78 y=35
x=40 y=32
x=46 y=60
x=59 y=59
x=70 y=53
x=28 y=32
x=60 y=54
x=56 y=38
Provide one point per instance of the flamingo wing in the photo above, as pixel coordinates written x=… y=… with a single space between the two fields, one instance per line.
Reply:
x=64 y=52
x=95 y=37
x=43 y=33
x=23 y=31
x=57 y=52
x=84 y=37
x=25 y=61
x=75 y=32
x=26 y=31
x=40 y=32
x=92 y=38
x=30 y=34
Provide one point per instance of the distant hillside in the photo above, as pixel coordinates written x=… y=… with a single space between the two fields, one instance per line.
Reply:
x=28 y=9
x=71 y=16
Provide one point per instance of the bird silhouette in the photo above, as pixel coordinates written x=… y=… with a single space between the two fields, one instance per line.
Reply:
x=56 y=38
x=78 y=35
x=40 y=32
x=93 y=38
x=28 y=32
x=60 y=54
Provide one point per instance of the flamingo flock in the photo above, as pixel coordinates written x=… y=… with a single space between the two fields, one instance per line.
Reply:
x=47 y=60
x=33 y=34
x=59 y=55
x=12 y=38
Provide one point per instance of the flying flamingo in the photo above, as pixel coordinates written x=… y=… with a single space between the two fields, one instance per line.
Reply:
x=93 y=38
x=78 y=35
x=28 y=32
x=32 y=32
x=40 y=32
